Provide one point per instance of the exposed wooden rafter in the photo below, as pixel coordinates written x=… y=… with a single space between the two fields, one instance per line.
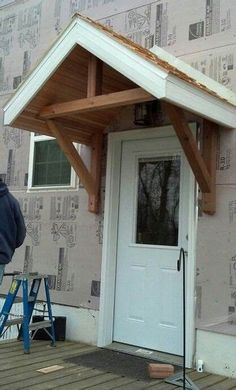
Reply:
x=209 y=146
x=110 y=100
x=189 y=145
x=76 y=135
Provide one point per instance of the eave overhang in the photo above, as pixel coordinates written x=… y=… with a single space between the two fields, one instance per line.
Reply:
x=90 y=72
x=152 y=73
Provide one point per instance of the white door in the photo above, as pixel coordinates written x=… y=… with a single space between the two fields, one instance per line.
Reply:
x=153 y=226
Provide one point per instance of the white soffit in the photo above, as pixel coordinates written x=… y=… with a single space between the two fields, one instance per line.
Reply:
x=210 y=99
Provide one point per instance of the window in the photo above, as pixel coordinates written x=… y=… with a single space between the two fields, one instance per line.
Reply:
x=48 y=165
x=158 y=201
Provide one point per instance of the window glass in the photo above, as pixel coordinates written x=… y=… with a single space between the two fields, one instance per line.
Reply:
x=50 y=165
x=158 y=201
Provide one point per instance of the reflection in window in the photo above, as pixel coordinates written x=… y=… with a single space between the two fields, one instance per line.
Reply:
x=158 y=201
x=51 y=167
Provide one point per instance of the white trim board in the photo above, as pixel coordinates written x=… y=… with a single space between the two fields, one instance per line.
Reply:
x=153 y=78
x=194 y=74
x=74 y=179
x=217 y=351
x=108 y=273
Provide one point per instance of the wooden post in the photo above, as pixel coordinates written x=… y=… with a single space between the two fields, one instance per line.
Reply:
x=96 y=163
x=95 y=69
x=94 y=88
x=209 y=145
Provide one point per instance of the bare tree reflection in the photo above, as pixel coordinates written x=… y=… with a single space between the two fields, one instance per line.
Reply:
x=158 y=201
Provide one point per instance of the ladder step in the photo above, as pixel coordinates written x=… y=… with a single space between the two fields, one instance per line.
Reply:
x=30 y=284
x=14 y=321
x=40 y=325
x=17 y=300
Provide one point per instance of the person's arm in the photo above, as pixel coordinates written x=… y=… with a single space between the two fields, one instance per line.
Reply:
x=20 y=223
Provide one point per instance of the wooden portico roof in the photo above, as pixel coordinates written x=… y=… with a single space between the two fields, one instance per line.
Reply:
x=90 y=73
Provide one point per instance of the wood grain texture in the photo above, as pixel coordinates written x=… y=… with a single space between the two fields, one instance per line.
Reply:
x=189 y=146
x=96 y=103
x=19 y=371
x=209 y=149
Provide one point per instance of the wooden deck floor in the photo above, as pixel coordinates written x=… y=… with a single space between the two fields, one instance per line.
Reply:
x=19 y=371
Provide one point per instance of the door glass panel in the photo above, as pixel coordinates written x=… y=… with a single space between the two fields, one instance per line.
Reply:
x=158 y=201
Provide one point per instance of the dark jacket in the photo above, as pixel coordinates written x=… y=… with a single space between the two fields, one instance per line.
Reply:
x=12 y=226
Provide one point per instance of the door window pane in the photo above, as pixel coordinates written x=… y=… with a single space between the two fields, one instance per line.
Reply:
x=158 y=201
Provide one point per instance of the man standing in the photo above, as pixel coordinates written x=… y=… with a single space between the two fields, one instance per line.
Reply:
x=12 y=227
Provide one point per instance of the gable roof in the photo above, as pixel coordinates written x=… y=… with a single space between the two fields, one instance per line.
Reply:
x=61 y=76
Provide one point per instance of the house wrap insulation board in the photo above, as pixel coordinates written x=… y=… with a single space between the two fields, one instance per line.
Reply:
x=63 y=238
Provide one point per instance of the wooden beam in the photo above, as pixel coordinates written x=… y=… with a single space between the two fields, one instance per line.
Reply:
x=96 y=163
x=209 y=147
x=73 y=156
x=102 y=102
x=189 y=146
x=95 y=68
x=34 y=125
x=25 y=123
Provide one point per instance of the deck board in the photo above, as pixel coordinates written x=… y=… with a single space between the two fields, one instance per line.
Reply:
x=81 y=380
x=18 y=371
x=210 y=380
x=45 y=356
x=121 y=382
x=36 y=378
x=227 y=384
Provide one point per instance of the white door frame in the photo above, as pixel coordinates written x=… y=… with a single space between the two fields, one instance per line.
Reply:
x=109 y=253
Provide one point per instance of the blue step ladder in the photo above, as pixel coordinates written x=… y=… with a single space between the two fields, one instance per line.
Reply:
x=30 y=287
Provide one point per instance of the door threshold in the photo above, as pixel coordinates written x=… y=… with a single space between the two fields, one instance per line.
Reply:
x=146 y=353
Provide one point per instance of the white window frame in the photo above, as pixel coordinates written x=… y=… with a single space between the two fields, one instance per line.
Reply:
x=74 y=182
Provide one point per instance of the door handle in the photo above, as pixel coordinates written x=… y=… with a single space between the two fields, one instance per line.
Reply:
x=182 y=254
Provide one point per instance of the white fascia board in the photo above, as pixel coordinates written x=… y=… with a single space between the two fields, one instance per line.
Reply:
x=202 y=103
x=199 y=77
x=142 y=72
x=40 y=75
